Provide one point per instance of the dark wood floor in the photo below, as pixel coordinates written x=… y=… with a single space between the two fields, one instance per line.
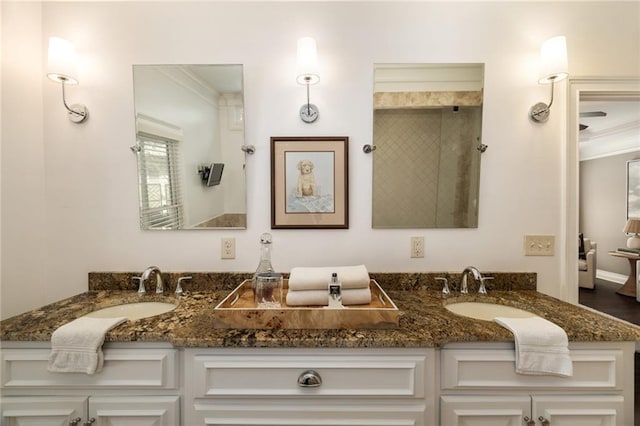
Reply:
x=605 y=299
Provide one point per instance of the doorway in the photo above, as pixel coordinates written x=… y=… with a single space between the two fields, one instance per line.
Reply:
x=589 y=92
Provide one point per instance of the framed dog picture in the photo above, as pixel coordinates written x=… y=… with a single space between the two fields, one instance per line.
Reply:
x=310 y=182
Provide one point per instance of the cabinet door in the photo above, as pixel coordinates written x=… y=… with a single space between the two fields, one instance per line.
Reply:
x=135 y=410
x=41 y=410
x=587 y=410
x=471 y=410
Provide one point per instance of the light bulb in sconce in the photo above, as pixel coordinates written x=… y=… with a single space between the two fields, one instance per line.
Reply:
x=553 y=68
x=307 y=74
x=61 y=68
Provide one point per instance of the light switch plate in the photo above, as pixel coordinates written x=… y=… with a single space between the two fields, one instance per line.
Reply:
x=539 y=245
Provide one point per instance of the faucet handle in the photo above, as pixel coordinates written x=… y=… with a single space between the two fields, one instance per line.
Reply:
x=141 y=288
x=445 y=288
x=179 y=289
x=483 y=289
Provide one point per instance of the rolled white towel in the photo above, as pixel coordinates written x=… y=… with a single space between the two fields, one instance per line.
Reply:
x=354 y=296
x=309 y=278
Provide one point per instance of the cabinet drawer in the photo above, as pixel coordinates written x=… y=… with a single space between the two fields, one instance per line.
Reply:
x=495 y=368
x=133 y=368
x=328 y=412
x=248 y=375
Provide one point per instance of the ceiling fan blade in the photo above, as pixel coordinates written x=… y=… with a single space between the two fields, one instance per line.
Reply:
x=583 y=126
x=593 y=114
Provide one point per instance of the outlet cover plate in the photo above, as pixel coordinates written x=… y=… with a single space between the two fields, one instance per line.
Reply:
x=417 y=247
x=227 y=248
x=539 y=245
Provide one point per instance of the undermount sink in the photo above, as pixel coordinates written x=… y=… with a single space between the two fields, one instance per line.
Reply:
x=133 y=311
x=486 y=311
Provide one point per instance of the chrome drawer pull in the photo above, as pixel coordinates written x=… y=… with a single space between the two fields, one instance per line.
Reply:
x=309 y=379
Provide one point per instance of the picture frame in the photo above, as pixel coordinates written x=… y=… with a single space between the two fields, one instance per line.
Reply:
x=310 y=182
x=633 y=189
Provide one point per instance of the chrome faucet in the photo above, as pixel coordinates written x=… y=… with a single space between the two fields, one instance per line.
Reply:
x=145 y=276
x=464 y=288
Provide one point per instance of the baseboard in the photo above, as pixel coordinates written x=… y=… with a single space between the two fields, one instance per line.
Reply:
x=611 y=276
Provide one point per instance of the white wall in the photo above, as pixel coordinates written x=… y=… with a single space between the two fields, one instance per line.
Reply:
x=91 y=220
x=24 y=283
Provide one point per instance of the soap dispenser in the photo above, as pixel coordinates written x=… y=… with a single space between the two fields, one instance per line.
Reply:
x=335 y=292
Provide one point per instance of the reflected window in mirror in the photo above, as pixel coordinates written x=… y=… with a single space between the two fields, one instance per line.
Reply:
x=161 y=205
x=189 y=117
x=427 y=133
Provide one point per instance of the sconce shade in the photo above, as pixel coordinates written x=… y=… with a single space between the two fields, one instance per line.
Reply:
x=553 y=60
x=61 y=64
x=307 y=61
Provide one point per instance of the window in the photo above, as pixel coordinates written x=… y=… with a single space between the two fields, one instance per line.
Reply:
x=161 y=205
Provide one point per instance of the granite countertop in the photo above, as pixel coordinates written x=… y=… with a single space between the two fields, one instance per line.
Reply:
x=424 y=321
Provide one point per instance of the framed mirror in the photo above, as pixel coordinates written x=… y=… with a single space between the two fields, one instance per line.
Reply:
x=189 y=140
x=427 y=134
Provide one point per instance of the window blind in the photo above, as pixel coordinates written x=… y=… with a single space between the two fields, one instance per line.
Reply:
x=161 y=197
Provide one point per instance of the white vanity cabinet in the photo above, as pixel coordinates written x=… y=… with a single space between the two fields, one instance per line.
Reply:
x=252 y=387
x=479 y=386
x=137 y=385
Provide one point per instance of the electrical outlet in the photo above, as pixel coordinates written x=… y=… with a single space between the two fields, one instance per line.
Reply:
x=228 y=248
x=417 y=246
x=539 y=245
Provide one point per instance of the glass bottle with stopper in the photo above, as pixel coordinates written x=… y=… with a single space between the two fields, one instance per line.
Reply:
x=265 y=258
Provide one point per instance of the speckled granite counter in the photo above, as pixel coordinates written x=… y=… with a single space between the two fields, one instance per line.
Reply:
x=424 y=321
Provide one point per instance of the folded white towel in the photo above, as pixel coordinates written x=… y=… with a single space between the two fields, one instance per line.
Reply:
x=542 y=347
x=304 y=278
x=354 y=296
x=76 y=347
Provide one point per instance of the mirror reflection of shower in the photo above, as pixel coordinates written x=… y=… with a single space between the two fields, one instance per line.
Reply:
x=427 y=145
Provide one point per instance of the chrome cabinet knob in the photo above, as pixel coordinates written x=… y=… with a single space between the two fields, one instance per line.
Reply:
x=529 y=422
x=309 y=379
x=75 y=421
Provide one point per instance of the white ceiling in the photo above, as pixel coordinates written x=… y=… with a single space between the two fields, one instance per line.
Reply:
x=617 y=133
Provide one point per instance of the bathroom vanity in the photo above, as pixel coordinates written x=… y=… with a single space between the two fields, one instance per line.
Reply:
x=436 y=368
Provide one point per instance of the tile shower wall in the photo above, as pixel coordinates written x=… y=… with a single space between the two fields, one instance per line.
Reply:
x=435 y=150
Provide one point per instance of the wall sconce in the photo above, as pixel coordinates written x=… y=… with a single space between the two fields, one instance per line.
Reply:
x=61 y=68
x=553 y=68
x=307 y=74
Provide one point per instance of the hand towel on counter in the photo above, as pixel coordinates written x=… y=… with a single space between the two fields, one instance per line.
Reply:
x=76 y=347
x=305 y=278
x=354 y=296
x=542 y=347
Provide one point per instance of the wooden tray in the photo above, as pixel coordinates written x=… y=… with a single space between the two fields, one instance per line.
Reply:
x=238 y=310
